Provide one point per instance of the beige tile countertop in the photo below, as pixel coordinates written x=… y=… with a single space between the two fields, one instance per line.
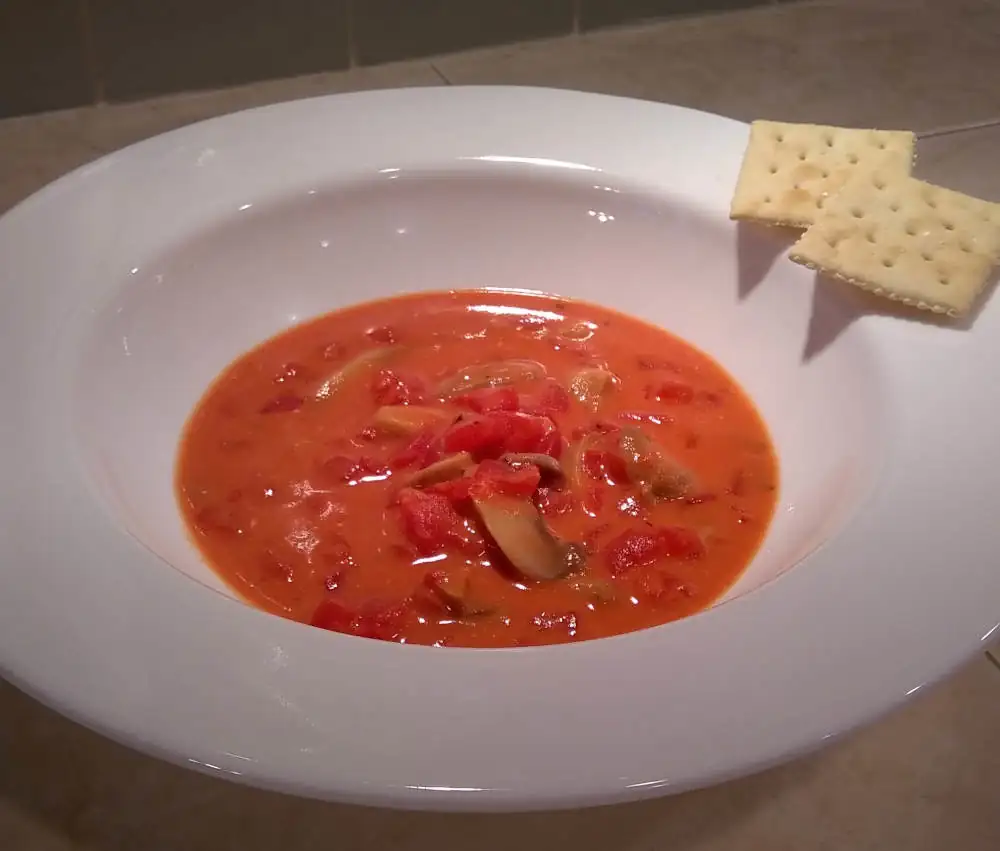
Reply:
x=926 y=778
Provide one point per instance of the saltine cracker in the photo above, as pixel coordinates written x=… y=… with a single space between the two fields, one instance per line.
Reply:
x=789 y=171
x=907 y=240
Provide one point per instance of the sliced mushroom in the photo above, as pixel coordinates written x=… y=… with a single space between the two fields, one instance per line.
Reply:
x=448 y=468
x=526 y=540
x=590 y=385
x=408 y=419
x=355 y=366
x=657 y=475
x=550 y=467
x=454 y=591
x=494 y=374
x=573 y=460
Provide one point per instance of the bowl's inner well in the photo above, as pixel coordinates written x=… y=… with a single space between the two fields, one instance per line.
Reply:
x=177 y=321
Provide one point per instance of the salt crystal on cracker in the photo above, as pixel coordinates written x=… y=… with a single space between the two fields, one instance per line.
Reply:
x=907 y=240
x=789 y=170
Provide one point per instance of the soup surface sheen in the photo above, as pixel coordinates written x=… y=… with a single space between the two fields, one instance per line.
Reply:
x=592 y=474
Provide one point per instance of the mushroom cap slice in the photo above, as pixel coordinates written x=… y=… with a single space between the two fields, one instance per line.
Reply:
x=494 y=374
x=522 y=534
x=657 y=475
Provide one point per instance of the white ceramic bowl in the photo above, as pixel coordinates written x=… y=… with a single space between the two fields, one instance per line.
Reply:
x=129 y=284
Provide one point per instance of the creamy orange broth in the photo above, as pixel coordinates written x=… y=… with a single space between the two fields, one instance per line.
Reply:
x=302 y=500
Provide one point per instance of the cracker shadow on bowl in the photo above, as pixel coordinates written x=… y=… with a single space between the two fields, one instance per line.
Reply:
x=826 y=325
x=757 y=249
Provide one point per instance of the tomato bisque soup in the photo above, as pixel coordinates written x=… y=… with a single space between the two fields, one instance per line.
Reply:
x=477 y=469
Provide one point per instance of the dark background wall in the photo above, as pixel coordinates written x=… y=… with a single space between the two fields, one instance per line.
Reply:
x=63 y=53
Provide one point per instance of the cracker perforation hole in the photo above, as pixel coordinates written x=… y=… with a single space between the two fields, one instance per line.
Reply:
x=802 y=156
x=911 y=229
x=949 y=225
x=857 y=212
x=927 y=256
x=870 y=236
x=774 y=169
x=879 y=183
x=894 y=206
x=829 y=140
x=852 y=159
x=888 y=262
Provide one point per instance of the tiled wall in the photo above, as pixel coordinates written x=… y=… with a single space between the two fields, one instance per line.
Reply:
x=61 y=53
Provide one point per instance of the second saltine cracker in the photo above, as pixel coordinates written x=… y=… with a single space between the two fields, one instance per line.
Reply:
x=906 y=240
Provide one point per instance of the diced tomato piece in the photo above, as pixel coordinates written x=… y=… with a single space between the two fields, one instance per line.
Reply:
x=679 y=542
x=527 y=433
x=554 y=503
x=670 y=393
x=456 y=491
x=381 y=334
x=489 y=399
x=422 y=450
x=391 y=388
x=632 y=549
x=552 y=399
x=642 y=548
x=429 y=520
x=282 y=404
x=492 y=477
x=482 y=437
x=493 y=434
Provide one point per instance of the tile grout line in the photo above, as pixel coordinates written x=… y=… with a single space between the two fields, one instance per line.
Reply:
x=439 y=72
x=959 y=128
x=993 y=659
x=352 y=50
x=86 y=16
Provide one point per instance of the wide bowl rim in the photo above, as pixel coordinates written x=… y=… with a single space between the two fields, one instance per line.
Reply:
x=834 y=677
